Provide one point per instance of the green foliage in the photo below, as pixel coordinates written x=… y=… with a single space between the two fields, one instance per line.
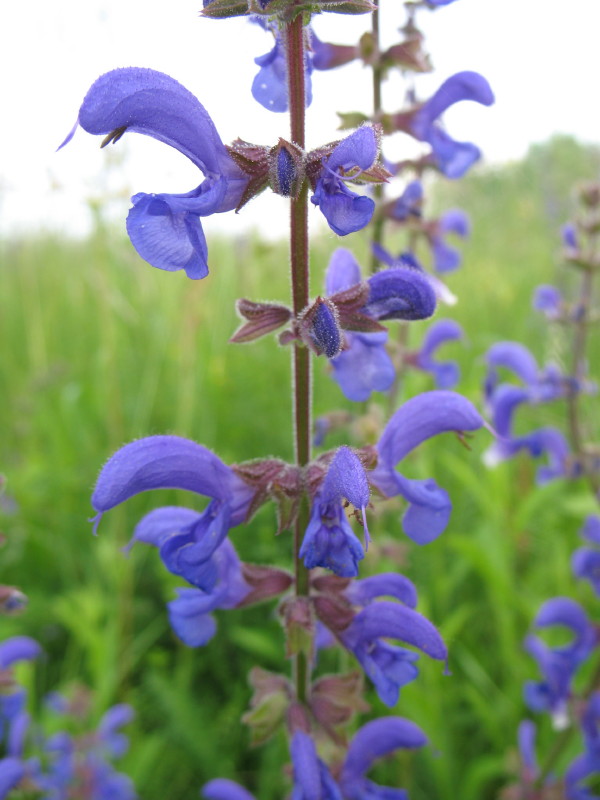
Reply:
x=99 y=349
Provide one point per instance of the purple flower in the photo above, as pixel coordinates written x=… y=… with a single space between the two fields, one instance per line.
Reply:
x=454 y=221
x=589 y=762
x=413 y=423
x=586 y=560
x=269 y=87
x=186 y=540
x=569 y=237
x=390 y=667
x=397 y=293
x=377 y=739
x=328 y=56
x=445 y=373
x=312 y=779
x=559 y=664
x=190 y=614
x=408 y=259
x=18 y=648
x=549 y=300
x=224 y=789
x=329 y=540
x=346 y=211
x=165 y=229
x=453 y=158
x=409 y=203
x=12 y=771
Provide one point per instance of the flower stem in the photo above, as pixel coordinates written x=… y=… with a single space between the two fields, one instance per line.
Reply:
x=300 y=275
x=578 y=367
x=378 y=189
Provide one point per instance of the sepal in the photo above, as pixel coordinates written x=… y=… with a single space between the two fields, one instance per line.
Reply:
x=265 y=582
x=268 y=706
x=220 y=9
x=299 y=624
x=336 y=698
x=263 y=318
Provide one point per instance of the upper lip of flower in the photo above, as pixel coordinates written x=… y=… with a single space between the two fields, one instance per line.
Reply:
x=165 y=229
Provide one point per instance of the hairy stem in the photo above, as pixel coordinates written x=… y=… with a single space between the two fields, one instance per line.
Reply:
x=300 y=274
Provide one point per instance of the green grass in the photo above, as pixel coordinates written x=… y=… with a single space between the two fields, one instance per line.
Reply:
x=99 y=349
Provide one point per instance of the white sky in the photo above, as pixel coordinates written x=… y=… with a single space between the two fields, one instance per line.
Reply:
x=540 y=57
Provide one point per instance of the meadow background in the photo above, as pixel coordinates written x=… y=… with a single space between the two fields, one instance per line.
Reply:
x=98 y=349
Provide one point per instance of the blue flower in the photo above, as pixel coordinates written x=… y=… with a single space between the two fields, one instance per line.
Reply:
x=451 y=157
x=549 y=300
x=588 y=763
x=186 y=540
x=455 y=221
x=445 y=373
x=346 y=211
x=558 y=664
x=409 y=203
x=165 y=229
x=329 y=540
x=417 y=420
x=269 y=87
x=586 y=560
x=388 y=666
x=377 y=739
x=364 y=365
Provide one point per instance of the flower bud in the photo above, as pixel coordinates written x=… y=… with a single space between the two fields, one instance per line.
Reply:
x=219 y=9
x=319 y=328
x=286 y=168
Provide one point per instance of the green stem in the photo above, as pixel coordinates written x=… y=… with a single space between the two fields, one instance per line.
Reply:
x=378 y=189
x=578 y=366
x=300 y=274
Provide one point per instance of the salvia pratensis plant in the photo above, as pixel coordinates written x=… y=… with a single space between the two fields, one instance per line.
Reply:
x=324 y=501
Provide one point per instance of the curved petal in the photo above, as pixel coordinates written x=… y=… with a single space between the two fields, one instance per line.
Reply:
x=18 y=648
x=357 y=150
x=442 y=330
x=515 y=357
x=419 y=419
x=364 y=367
x=224 y=789
x=375 y=740
x=166 y=462
x=161 y=523
x=399 y=293
x=395 y=621
x=461 y=86
x=429 y=508
x=392 y=584
x=445 y=258
x=150 y=102
x=343 y=271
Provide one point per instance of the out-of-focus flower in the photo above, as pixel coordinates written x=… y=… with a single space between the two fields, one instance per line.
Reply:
x=445 y=373
x=558 y=665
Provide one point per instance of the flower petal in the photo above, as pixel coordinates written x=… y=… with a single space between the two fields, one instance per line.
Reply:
x=18 y=648
x=162 y=462
x=343 y=271
x=364 y=367
x=399 y=293
x=150 y=102
x=419 y=419
x=375 y=740
x=224 y=789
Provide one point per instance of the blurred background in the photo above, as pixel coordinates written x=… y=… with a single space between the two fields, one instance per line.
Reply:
x=98 y=349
